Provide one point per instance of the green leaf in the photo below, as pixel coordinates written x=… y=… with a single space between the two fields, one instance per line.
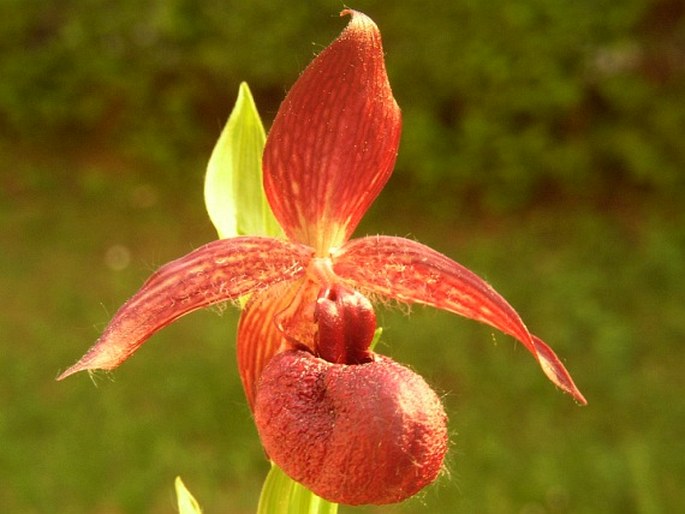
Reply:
x=234 y=195
x=186 y=503
x=282 y=495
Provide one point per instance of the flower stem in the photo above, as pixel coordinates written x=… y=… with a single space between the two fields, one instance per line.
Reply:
x=282 y=495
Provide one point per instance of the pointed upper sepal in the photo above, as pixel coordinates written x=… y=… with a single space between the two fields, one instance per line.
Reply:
x=334 y=141
x=408 y=271
x=219 y=271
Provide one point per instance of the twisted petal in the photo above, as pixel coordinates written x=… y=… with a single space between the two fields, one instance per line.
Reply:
x=411 y=272
x=219 y=271
x=334 y=141
x=273 y=321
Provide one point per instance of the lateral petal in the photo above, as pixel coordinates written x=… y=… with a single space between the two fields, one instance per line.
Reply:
x=411 y=272
x=273 y=321
x=334 y=141
x=216 y=272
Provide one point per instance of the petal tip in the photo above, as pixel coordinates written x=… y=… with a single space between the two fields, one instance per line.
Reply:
x=81 y=365
x=352 y=13
x=70 y=371
x=556 y=372
x=98 y=357
x=359 y=22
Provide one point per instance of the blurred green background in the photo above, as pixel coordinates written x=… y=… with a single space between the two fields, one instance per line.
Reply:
x=542 y=147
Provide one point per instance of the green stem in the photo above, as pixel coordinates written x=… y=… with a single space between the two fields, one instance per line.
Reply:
x=282 y=495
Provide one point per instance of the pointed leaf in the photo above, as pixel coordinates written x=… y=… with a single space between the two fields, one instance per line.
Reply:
x=187 y=504
x=411 y=272
x=219 y=271
x=282 y=495
x=334 y=141
x=234 y=194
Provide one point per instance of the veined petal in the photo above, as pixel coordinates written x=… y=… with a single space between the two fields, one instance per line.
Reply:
x=334 y=141
x=273 y=321
x=411 y=272
x=221 y=270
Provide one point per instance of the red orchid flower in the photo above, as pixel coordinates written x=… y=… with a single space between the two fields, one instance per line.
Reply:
x=329 y=153
x=352 y=426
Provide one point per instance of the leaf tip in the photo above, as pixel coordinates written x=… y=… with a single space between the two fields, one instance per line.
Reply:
x=187 y=504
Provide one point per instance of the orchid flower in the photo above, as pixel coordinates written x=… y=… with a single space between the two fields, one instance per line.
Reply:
x=329 y=153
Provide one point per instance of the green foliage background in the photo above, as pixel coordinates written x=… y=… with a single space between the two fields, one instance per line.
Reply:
x=542 y=147
x=503 y=100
